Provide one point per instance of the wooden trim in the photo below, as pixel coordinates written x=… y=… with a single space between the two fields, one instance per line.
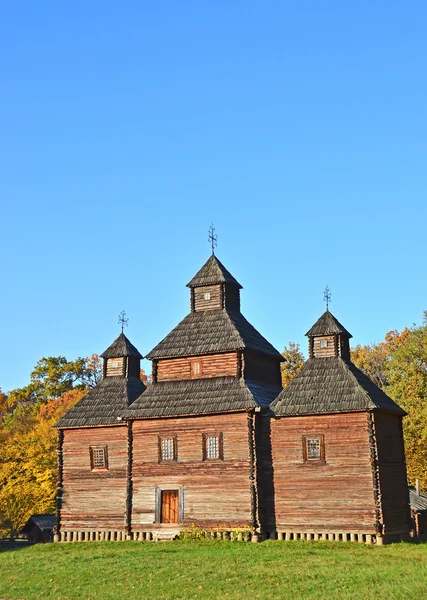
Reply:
x=314 y=436
x=129 y=482
x=154 y=371
x=60 y=481
x=92 y=465
x=192 y=300
x=376 y=487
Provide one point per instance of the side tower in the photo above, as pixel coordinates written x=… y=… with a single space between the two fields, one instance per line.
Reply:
x=194 y=453
x=93 y=451
x=338 y=455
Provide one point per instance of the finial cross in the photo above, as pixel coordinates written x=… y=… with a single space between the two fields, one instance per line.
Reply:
x=213 y=238
x=123 y=320
x=327 y=297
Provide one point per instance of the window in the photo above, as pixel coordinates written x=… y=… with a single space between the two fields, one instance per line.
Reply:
x=207 y=296
x=388 y=448
x=196 y=368
x=212 y=447
x=313 y=448
x=98 y=457
x=115 y=364
x=167 y=448
x=323 y=343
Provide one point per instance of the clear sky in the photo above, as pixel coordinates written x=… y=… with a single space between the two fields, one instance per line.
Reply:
x=298 y=128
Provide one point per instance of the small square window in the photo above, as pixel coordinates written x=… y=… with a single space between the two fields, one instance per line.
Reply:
x=98 y=457
x=314 y=448
x=167 y=448
x=196 y=368
x=323 y=343
x=115 y=364
x=207 y=296
x=212 y=447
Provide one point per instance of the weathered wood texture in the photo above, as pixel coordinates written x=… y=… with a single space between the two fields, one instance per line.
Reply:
x=261 y=367
x=337 y=494
x=329 y=350
x=115 y=366
x=94 y=499
x=392 y=474
x=213 y=365
x=216 y=493
x=208 y=297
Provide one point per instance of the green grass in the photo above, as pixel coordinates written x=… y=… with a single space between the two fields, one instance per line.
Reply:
x=214 y=569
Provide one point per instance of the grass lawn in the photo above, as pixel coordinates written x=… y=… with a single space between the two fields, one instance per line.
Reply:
x=214 y=569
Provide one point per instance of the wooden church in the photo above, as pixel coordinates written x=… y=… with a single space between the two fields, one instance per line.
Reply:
x=214 y=440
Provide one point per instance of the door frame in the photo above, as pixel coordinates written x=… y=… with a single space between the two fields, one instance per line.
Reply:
x=158 y=510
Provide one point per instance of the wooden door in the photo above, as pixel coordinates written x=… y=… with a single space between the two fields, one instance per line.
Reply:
x=170 y=506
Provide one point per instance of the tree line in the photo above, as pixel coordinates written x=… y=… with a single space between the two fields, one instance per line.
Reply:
x=28 y=469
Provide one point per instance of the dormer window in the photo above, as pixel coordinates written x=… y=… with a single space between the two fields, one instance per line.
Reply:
x=196 y=368
x=207 y=296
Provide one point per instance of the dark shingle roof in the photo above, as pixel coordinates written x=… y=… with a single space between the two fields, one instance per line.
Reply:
x=42 y=521
x=103 y=403
x=329 y=385
x=212 y=331
x=213 y=271
x=121 y=347
x=328 y=325
x=200 y=396
x=417 y=502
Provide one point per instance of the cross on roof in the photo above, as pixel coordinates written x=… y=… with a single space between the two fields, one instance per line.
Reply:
x=123 y=320
x=213 y=238
x=327 y=297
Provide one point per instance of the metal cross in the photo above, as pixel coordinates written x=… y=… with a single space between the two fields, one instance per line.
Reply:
x=123 y=320
x=327 y=297
x=213 y=238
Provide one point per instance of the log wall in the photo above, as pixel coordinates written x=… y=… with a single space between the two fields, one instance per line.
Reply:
x=94 y=499
x=200 y=297
x=213 y=365
x=215 y=493
x=392 y=474
x=261 y=368
x=330 y=350
x=330 y=496
x=115 y=367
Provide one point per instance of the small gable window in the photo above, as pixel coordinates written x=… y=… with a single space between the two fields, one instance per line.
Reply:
x=313 y=448
x=167 y=448
x=98 y=457
x=212 y=447
x=196 y=368
x=207 y=296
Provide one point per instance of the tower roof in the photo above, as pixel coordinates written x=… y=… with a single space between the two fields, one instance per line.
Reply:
x=331 y=385
x=104 y=403
x=212 y=331
x=328 y=325
x=121 y=347
x=212 y=272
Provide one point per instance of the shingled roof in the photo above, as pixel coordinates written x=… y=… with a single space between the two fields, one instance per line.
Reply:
x=417 y=501
x=121 y=347
x=103 y=403
x=328 y=325
x=200 y=396
x=213 y=271
x=212 y=331
x=331 y=385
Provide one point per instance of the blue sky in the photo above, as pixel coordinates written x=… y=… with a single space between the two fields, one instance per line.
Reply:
x=298 y=128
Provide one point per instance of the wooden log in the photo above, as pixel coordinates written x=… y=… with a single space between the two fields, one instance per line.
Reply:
x=280 y=536
x=368 y=539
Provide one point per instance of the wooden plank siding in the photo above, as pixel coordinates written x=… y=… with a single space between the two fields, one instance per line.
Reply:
x=337 y=494
x=201 y=302
x=216 y=493
x=213 y=365
x=115 y=366
x=392 y=474
x=94 y=499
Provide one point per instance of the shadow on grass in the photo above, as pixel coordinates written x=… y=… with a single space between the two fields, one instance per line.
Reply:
x=7 y=545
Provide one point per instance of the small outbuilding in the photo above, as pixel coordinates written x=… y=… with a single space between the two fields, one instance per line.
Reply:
x=418 y=503
x=39 y=529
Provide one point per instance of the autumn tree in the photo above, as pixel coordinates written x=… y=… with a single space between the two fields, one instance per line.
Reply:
x=294 y=361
